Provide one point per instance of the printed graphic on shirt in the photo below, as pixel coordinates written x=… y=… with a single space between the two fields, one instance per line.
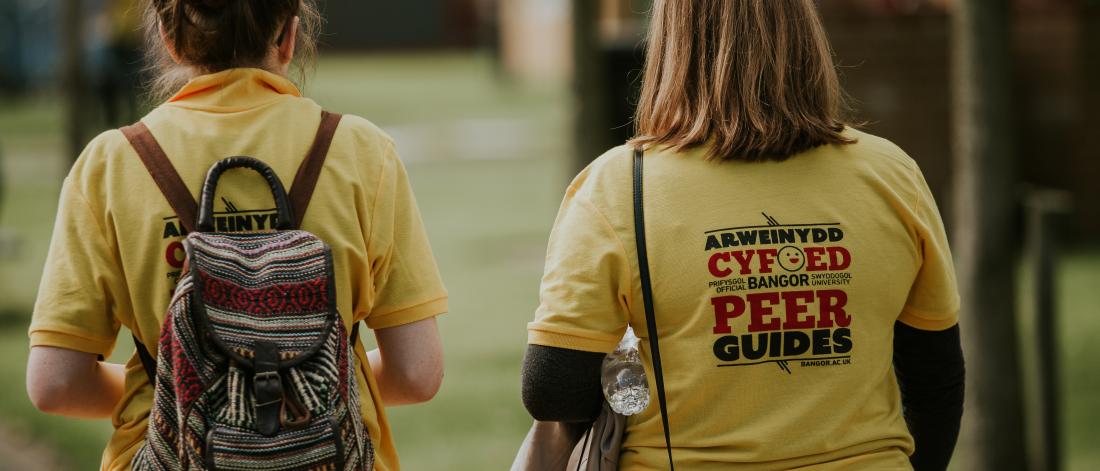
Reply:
x=779 y=294
x=230 y=220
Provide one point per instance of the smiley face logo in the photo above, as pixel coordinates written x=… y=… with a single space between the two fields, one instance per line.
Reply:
x=791 y=258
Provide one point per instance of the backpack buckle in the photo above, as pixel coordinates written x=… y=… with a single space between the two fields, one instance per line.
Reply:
x=268 y=388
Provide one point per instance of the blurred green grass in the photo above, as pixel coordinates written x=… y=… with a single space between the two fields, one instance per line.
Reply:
x=488 y=217
x=488 y=212
x=1077 y=321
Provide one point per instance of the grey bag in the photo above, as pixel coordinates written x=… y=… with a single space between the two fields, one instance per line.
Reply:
x=562 y=446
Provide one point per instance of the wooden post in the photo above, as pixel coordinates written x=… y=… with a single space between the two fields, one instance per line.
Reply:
x=1088 y=140
x=984 y=235
x=1044 y=211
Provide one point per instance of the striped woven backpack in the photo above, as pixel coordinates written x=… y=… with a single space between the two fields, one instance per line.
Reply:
x=255 y=369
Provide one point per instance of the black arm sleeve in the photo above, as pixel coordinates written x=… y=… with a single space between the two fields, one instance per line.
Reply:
x=562 y=385
x=930 y=371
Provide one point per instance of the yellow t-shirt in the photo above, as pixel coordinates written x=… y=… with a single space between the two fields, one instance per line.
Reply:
x=116 y=253
x=776 y=288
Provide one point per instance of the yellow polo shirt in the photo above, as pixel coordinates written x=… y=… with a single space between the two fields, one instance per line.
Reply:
x=776 y=289
x=116 y=253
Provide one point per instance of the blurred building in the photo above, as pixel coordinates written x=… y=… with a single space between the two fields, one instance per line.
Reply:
x=407 y=24
x=28 y=44
x=30 y=31
x=894 y=62
x=895 y=58
x=536 y=36
x=536 y=39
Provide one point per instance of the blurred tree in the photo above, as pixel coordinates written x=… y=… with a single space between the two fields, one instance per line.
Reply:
x=608 y=58
x=12 y=75
x=985 y=234
x=1 y=182
x=1089 y=56
x=119 y=88
x=73 y=77
x=592 y=123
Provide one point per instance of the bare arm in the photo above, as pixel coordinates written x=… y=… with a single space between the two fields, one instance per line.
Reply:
x=408 y=363
x=73 y=384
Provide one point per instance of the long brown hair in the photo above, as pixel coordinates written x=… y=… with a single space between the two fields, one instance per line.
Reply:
x=214 y=35
x=753 y=79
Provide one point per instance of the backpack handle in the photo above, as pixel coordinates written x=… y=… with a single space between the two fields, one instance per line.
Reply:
x=206 y=203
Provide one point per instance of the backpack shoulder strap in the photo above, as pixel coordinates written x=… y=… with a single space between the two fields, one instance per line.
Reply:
x=163 y=173
x=175 y=191
x=305 y=181
x=647 y=299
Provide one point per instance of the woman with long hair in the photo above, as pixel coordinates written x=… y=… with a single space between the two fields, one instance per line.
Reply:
x=222 y=70
x=802 y=286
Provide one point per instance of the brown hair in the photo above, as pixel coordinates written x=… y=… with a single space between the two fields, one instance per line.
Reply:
x=213 y=35
x=753 y=79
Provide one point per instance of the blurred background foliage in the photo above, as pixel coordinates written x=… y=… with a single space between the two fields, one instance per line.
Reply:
x=494 y=105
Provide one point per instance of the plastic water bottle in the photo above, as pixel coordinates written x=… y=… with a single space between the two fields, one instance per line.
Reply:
x=623 y=377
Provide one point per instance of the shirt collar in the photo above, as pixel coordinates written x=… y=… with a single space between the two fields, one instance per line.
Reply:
x=234 y=90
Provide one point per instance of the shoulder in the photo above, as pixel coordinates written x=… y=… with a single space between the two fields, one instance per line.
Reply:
x=362 y=130
x=371 y=148
x=883 y=161
x=877 y=157
x=604 y=187
x=878 y=151
x=362 y=148
x=103 y=148
x=101 y=157
x=604 y=175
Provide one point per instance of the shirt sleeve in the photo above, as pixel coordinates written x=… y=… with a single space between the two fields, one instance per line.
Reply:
x=75 y=308
x=407 y=285
x=933 y=302
x=586 y=283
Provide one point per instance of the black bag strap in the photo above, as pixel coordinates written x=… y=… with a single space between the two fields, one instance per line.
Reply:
x=647 y=299
x=354 y=333
x=147 y=361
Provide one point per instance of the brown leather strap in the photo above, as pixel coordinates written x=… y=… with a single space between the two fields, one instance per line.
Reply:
x=163 y=173
x=306 y=180
x=183 y=202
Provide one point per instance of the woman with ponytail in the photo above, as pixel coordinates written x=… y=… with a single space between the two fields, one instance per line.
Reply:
x=222 y=72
